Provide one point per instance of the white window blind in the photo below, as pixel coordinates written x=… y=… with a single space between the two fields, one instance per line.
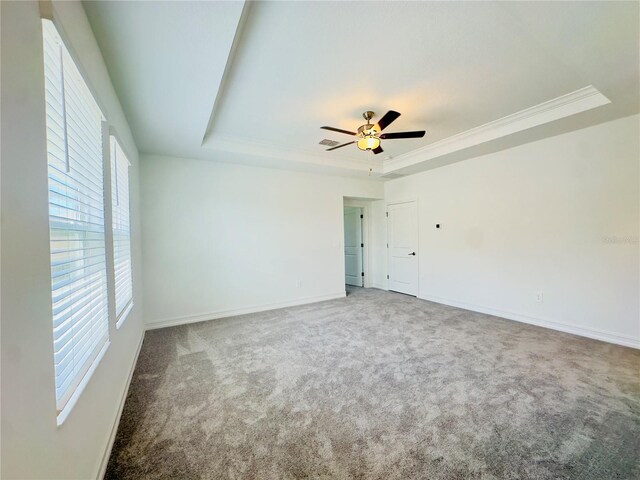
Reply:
x=121 y=230
x=76 y=218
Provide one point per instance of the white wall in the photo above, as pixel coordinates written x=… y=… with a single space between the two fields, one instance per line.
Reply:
x=221 y=239
x=558 y=216
x=33 y=446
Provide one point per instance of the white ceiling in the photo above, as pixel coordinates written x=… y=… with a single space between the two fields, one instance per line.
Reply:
x=166 y=61
x=448 y=67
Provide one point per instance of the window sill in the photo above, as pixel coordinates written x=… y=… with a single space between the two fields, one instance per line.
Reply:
x=123 y=316
x=64 y=413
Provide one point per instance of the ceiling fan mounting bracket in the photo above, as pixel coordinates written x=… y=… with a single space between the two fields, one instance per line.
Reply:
x=368 y=115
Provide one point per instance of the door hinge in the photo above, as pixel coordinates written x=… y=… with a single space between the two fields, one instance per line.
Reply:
x=361 y=216
x=362 y=245
x=387 y=245
x=387 y=214
x=363 y=274
x=387 y=277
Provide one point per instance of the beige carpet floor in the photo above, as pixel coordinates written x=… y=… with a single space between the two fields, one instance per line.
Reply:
x=378 y=385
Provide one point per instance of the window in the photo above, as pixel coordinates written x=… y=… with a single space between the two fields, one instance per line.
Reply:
x=121 y=231
x=76 y=220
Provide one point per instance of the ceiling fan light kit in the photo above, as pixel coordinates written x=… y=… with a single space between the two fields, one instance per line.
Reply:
x=368 y=143
x=371 y=134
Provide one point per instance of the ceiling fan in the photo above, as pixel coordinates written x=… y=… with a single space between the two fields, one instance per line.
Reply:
x=370 y=134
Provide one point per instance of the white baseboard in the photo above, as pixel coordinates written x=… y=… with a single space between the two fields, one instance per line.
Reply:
x=610 y=337
x=114 y=428
x=202 y=317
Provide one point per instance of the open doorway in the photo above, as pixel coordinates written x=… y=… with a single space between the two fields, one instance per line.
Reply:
x=353 y=246
x=364 y=237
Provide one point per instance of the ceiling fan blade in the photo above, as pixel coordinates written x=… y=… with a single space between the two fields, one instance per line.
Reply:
x=377 y=150
x=388 y=118
x=339 y=130
x=339 y=146
x=390 y=136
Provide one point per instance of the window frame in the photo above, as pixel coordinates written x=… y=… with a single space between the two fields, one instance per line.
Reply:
x=72 y=392
x=122 y=315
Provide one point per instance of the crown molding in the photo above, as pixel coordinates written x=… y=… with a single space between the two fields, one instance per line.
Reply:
x=251 y=148
x=224 y=81
x=572 y=103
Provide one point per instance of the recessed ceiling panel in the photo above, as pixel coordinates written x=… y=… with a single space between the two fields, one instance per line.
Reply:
x=253 y=83
x=446 y=66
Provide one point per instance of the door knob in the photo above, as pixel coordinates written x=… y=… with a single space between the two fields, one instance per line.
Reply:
x=413 y=253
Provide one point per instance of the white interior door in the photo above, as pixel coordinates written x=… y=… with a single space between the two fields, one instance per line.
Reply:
x=402 y=225
x=353 y=246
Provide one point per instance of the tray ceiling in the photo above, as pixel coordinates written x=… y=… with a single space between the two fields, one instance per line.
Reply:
x=252 y=83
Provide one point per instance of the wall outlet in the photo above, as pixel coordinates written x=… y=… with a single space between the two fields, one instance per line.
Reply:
x=539 y=297
x=299 y=283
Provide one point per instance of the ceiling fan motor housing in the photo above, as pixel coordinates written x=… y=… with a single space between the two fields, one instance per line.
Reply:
x=367 y=129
